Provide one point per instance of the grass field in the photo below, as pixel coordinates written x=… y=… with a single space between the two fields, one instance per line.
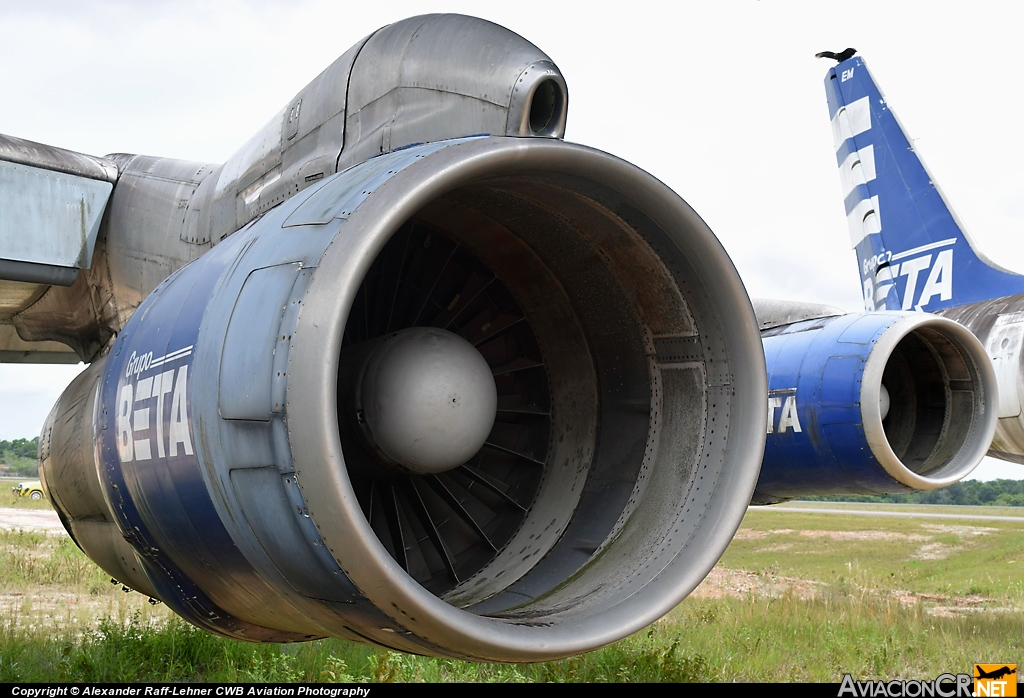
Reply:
x=12 y=502
x=7 y=498
x=798 y=596
x=976 y=564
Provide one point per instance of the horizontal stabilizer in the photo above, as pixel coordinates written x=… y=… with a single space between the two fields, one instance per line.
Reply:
x=51 y=204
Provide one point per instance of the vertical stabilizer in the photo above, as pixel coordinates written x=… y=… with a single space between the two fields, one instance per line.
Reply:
x=912 y=250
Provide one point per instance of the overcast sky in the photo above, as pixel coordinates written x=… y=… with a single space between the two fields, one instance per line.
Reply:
x=722 y=101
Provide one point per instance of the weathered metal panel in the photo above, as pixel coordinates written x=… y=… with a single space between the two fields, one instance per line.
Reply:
x=15 y=350
x=15 y=296
x=773 y=313
x=49 y=217
x=431 y=52
x=147 y=233
x=996 y=324
x=247 y=363
x=48 y=157
x=1004 y=348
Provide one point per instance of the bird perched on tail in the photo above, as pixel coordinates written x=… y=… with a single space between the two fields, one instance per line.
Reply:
x=840 y=57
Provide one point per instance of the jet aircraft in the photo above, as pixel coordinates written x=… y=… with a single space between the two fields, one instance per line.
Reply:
x=411 y=370
x=995 y=673
x=913 y=251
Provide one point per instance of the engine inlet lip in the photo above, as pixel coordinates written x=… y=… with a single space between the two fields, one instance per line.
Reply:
x=312 y=407
x=985 y=418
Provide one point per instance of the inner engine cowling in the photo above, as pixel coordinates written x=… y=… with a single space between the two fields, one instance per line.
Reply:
x=284 y=424
x=873 y=403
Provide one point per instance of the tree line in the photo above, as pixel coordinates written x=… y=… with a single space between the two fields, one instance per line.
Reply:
x=1000 y=493
x=20 y=457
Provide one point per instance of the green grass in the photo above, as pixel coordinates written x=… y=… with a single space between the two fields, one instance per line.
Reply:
x=850 y=621
x=26 y=503
x=925 y=556
x=135 y=651
x=751 y=639
x=9 y=501
x=33 y=559
x=47 y=583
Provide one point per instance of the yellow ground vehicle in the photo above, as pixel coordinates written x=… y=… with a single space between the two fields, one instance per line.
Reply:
x=32 y=489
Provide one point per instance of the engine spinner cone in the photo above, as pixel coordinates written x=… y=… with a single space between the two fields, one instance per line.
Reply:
x=428 y=399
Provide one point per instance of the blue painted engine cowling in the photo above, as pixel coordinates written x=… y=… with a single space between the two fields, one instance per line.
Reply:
x=873 y=403
x=236 y=481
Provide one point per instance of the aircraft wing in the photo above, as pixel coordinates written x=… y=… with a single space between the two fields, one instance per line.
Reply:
x=52 y=202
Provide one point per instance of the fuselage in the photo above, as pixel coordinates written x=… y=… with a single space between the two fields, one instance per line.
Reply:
x=999 y=324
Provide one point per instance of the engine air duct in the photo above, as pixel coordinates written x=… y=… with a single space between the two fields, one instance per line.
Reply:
x=258 y=458
x=873 y=403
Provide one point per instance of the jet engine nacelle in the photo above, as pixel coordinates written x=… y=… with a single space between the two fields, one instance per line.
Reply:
x=873 y=403
x=488 y=398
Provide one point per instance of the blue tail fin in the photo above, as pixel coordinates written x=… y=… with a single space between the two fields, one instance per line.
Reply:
x=912 y=250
